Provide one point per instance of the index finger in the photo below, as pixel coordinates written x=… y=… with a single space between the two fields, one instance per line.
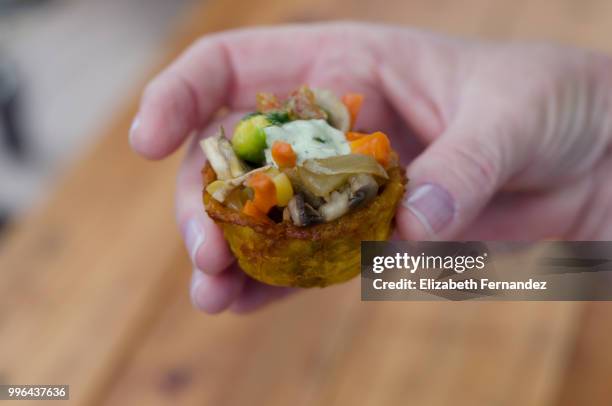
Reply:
x=226 y=69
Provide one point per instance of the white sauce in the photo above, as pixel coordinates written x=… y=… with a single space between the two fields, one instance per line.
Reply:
x=308 y=138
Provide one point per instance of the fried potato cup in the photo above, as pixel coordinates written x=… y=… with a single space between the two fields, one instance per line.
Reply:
x=283 y=254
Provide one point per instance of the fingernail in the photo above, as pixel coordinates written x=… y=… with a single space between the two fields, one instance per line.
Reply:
x=193 y=232
x=134 y=128
x=432 y=205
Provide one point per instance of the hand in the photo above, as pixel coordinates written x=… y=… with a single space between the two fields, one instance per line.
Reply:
x=503 y=141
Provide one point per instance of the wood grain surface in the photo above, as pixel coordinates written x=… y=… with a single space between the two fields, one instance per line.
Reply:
x=94 y=282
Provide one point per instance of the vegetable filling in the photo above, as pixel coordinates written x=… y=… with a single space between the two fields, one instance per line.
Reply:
x=299 y=160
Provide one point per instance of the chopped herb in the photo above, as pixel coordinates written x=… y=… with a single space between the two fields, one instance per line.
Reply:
x=320 y=139
x=278 y=117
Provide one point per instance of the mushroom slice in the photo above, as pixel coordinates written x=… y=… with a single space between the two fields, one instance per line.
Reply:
x=222 y=190
x=337 y=206
x=217 y=160
x=236 y=165
x=364 y=189
x=222 y=157
x=286 y=214
x=298 y=185
x=339 y=115
x=314 y=201
x=302 y=214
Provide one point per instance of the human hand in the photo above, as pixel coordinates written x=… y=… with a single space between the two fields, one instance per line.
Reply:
x=501 y=141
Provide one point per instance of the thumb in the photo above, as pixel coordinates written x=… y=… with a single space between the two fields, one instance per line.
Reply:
x=456 y=176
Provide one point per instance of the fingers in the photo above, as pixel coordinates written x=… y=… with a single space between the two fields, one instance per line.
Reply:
x=255 y=295
x=217 y=282
x=204 y=240
x=457 y=175
x=227 y=69
x=412 y=102
x=181 y=99
x=529 y=216
x=215 y=293
x=232 y=290
x=169 y=112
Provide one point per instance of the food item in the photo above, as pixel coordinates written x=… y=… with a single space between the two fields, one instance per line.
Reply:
x=297 y=190
x=283 y=154
x=264 y=191
x=284 y=189
x=376 y=145
x=353 y=102
x=249 y=139
x=250 y=209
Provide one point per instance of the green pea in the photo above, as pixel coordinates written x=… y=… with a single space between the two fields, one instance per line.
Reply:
x=249 y=139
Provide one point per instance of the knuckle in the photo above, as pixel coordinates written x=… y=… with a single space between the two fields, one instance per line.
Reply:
x=477 y=163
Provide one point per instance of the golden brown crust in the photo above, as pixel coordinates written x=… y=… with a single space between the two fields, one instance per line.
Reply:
x=318 y=255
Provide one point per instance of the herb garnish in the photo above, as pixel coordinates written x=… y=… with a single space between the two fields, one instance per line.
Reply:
x=278 y=117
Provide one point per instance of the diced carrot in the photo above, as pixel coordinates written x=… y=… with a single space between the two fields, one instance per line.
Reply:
x=264 y=191
x=283 y=154
x=353 y=102
x=352 y=135
x=376 y=145
x=251 y=210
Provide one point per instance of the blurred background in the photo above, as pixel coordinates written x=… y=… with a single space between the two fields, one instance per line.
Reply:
x=93 y=276
x=64 y=68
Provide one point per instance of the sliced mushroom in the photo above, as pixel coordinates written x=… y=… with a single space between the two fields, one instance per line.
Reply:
x=364 y=189
x=339 y=115
x=298 y=185
x=301 y=213
x=287 y=214
x=217 y=160
x=222 y=192
x=336 y=206
x=236 y=165
x=222 y=157
x=314 y=201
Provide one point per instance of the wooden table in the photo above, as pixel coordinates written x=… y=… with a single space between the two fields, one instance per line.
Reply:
x=94 y=283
